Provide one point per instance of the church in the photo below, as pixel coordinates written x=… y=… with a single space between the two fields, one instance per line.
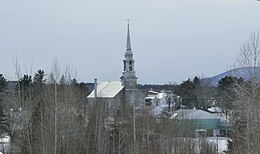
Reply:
x=116 y=95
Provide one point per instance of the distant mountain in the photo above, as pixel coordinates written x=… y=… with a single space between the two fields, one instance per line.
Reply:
x=245 y=72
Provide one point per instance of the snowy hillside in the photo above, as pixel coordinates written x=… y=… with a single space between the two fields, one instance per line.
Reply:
x=245 y=72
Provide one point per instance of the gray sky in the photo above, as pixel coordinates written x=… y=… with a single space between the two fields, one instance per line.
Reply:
x=172 y=40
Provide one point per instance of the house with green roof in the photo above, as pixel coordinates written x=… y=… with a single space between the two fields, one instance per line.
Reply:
x=205 y=123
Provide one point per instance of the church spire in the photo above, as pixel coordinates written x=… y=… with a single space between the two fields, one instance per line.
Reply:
x=128 y=42
x=128 y=78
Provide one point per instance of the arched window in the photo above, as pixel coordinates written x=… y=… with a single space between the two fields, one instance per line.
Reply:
x=130 y=66
x=124 y=66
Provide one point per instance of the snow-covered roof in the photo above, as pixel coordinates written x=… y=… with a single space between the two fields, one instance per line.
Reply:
x=195 y=114
x=108 y=89
x=5 y=139
x=153 y=92
x=149 y=97
x=215 y=109
x=156 y=111
x=161 y=95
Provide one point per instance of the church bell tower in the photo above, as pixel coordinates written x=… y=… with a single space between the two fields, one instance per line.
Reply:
x=128 y=78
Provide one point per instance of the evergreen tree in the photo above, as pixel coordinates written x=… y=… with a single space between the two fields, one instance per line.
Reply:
x=24 y=87
x=39 y=77
x=38 y=110
x=225 y=91
x=62 y=80
x=4 y=127
x=187 y=90
x=39 y=82
x=3 y=119
x=74 y=82
x=3 y=83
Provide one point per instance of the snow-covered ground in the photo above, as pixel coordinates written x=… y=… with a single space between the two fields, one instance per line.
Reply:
x=220 y=141
x=4 y=143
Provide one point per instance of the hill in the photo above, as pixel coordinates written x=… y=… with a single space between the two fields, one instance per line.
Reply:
x=244 y=72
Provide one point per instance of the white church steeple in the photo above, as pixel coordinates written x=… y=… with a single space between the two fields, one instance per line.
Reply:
x=128 y=78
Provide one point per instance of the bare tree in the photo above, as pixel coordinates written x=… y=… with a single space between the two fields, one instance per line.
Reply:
x=47 y=118
x=246 y=119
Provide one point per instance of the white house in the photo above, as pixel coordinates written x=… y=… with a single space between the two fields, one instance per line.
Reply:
x=164 y=99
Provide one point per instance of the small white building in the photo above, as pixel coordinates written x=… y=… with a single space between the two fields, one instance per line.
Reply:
x=164 y=99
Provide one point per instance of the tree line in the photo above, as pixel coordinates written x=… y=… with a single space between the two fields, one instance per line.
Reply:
x=49 y=114
x=46 y=114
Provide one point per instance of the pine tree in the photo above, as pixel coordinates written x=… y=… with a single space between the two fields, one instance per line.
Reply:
x=39 y=77
x=3 y=118
x=3 y=83
x=37 y=118
x=4 y=127
x=187 y=90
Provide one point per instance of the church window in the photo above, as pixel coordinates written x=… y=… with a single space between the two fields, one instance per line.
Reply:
x=124 y=66
x=130 y=66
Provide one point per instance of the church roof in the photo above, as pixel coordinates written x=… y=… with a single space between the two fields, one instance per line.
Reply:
x=108 y=89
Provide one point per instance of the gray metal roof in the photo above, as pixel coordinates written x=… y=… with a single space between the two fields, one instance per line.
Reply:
x=194 y=114
x=108 y=89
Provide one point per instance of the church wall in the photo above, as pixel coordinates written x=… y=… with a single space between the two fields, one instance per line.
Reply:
x=111 y=106
x=134 y=96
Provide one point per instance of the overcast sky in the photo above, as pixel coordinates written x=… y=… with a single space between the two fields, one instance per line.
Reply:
x=172 y=40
